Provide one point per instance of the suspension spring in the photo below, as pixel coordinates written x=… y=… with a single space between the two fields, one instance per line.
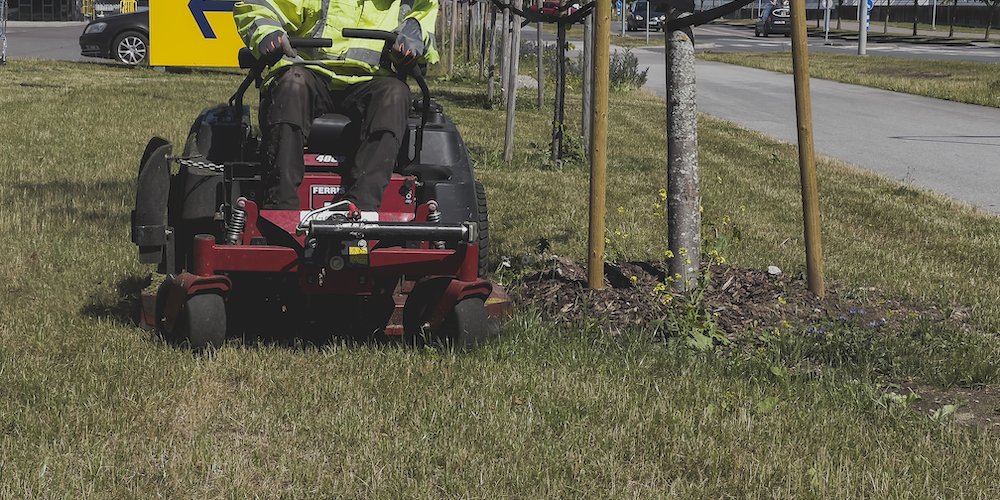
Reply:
x=237 y=221
x=434 y=216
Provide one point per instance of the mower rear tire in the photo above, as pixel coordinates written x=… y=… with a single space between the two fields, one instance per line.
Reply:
x=201 y=322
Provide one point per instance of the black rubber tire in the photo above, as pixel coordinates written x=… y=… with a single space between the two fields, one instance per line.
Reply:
x=201 y=322
x=483 y=222
x=132 y=48
x=467 y=326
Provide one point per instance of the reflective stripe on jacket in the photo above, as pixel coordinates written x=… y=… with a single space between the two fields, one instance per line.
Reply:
x=349 y=60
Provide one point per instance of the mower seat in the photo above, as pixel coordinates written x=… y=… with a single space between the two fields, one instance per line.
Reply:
x=332 y=133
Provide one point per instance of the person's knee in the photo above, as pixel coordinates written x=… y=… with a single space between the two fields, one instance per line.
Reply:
x=292 y=85
x=392 y=101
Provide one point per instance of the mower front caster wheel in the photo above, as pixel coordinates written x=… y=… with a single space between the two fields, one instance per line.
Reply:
x=201 y=322
x=466 y=326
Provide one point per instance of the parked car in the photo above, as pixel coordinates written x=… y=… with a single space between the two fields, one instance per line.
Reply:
x=123 y=37
x=637 y=21
x=775 y=20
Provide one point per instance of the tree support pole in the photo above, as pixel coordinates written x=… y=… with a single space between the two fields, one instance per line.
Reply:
x=683 y=184
x=807 y=156
x=599 y=146
x=515 y=46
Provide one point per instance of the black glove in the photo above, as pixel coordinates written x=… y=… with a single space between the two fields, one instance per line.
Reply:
x=273 y=46
x=409 y=44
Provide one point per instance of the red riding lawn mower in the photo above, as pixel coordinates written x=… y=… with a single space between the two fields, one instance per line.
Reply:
x=412 y=269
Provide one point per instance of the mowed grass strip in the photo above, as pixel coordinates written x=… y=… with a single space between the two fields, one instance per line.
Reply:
x=89 y=405
x=959 y=81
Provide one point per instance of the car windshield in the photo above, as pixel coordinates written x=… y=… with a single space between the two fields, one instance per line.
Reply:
x=640 y=8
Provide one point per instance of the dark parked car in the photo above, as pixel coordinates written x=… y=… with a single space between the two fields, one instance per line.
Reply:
x=124 y=37
x=637 y=21
x=774 y=20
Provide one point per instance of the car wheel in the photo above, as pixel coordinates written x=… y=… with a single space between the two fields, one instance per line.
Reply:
x=131 y=48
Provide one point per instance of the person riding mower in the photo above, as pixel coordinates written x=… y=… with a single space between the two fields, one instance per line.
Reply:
x=300 y=86
x=351 y=211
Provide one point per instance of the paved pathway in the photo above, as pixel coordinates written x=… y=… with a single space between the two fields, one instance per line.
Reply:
x=944 y=146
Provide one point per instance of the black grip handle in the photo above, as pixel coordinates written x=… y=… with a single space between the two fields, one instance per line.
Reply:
x=309 y=43
x=388 y=36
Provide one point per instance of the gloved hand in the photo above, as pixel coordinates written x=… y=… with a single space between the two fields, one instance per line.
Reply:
x=409 y=44
x=273 y=46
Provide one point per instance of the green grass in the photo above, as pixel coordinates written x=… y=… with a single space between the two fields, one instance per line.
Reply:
x=91 y=406
x=968 y=82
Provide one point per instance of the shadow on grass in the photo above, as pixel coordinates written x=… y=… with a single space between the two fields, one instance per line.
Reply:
x=121 y=305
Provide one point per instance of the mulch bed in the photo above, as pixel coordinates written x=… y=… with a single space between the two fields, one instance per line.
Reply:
x=740 y=298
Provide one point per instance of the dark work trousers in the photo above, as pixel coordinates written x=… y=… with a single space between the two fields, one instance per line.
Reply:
x=287 y=109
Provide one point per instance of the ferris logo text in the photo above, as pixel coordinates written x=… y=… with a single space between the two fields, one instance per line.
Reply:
x=321 y=190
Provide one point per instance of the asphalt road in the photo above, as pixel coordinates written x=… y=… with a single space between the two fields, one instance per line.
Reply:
x=940 y=145
x=44 y=41
x=725 y=38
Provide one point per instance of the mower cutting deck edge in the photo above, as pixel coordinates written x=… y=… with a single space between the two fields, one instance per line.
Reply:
x=413 y=269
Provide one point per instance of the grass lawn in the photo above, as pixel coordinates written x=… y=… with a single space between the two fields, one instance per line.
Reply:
x=960 y=81
x=92 y=406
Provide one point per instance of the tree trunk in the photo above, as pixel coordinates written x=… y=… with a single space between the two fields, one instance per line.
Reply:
x=683 y=191
x=451 y=35
x=482 y=39
x=588 y=79
x=915 y=11
x=885 y=17
x=540 y=53
x=989 y=20
x=840 y=3
x=491 y=73
x=504 y=55
x=558 y=116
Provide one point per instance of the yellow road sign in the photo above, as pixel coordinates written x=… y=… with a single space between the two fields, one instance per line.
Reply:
x=193 y=33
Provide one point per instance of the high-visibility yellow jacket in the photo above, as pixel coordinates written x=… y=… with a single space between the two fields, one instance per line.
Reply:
x=349 y=60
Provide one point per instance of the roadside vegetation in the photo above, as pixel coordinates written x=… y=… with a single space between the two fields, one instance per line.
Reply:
x=959 y=81
x=90 y=405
